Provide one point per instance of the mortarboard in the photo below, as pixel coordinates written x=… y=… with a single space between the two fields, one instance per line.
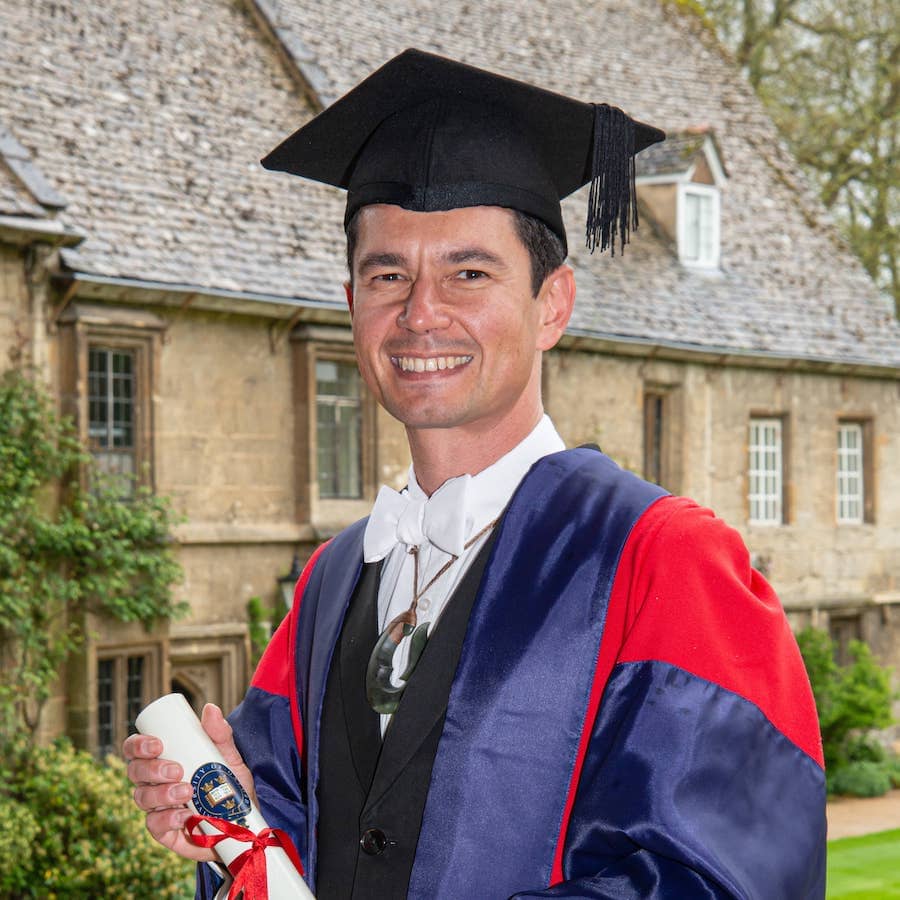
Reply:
x=428 y=133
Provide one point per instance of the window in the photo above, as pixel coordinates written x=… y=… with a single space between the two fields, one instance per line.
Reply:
x=108 y=357
x=850 y=478
x=854 y=497
x=335 y=429
x=698 y=225
x=111 y=413
x=766 y=472
x=662 y=434
x=123 y=682
x=654 y=407
x=338 y=429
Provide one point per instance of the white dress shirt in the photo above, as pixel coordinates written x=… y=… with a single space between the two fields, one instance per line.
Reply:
x=465 y=506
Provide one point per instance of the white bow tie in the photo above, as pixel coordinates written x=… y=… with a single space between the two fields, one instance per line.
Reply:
x=399 y=518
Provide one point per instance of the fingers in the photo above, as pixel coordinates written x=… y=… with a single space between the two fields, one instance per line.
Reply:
x=141 y=746
x=154 y=771
x=160 y=790
x=150 y=797
x=167 y=827
x=161 y=794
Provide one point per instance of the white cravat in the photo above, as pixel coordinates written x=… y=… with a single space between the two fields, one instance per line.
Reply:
x=412 y=518
x=439 y=526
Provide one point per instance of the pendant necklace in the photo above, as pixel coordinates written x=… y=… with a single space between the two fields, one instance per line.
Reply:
x=383 y=695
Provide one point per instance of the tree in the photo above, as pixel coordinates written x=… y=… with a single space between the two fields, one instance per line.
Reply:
x=58 y=560
x=829 y=73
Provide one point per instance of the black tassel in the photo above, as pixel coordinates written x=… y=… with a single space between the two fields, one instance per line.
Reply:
x=612 y=202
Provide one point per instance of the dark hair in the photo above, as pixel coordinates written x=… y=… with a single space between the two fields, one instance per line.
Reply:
x=544 y=247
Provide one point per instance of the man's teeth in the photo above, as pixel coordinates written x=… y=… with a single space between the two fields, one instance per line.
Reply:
x=431 y=364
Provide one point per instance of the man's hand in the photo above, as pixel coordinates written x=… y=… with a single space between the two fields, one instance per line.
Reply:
x=161 y=792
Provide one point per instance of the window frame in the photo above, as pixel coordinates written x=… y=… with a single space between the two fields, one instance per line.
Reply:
x=312 y=343
x=865 y=428
x=661 y=440
x=845 y=626
x=779 y=494
x=134 y=449
x=339 y=401
x=84 y=327
x=121 y=656
x=685 y=189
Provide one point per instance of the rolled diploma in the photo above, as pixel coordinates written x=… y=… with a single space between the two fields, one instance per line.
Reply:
x=171 y=719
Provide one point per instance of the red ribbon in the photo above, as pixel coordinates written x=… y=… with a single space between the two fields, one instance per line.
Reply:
x=248 y=869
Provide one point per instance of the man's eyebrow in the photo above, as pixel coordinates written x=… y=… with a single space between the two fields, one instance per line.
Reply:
x=378 y=260
x=473 y=254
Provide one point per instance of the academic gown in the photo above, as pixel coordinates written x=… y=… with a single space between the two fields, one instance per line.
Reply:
x=629 y=716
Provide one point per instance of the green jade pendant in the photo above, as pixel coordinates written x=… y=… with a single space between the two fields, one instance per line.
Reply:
x=381 y=692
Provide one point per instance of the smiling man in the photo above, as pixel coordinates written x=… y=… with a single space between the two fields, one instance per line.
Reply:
x=528 y=674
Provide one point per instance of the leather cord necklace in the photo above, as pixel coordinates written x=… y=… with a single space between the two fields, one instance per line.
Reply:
x=383 y=695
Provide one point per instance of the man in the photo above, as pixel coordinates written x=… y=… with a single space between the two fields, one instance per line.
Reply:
x=530 y=674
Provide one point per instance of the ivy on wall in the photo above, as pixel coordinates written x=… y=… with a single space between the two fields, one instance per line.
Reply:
x=65 y=550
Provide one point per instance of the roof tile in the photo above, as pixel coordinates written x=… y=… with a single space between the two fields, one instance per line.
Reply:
x=150 y=117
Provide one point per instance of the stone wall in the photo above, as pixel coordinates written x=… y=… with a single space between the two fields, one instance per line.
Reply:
x=813 y=562
x=14 y=322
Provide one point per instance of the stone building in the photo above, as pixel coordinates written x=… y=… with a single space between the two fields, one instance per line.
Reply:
x=186 y=306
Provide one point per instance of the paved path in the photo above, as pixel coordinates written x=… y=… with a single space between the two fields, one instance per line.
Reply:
x=849 y=816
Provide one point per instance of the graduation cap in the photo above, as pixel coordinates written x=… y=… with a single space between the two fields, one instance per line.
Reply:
x=428 y=133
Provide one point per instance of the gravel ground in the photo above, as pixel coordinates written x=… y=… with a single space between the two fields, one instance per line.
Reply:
x=850 y=816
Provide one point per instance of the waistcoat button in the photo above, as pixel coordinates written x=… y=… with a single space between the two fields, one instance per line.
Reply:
x=373 y=841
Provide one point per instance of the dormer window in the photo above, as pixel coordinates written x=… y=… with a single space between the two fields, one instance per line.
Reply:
x=698 y=224
x=679 y=183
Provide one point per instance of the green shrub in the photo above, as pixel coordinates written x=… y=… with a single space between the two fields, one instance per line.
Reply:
x=78 y=834
x=861 y=748
x=851 y=701
x=861 y=779
x=259 y=628
x=15 y=847
x=893 y=770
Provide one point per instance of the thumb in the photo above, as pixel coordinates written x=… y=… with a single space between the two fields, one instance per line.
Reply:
x=221 y=734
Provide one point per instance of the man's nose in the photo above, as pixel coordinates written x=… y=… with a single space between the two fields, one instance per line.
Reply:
x=424 y=309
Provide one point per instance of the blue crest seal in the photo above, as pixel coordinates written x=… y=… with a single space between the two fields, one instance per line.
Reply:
x=218 y=793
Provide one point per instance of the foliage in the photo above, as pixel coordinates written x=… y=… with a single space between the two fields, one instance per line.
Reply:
x=861 y=778
x=262 y=622
x=59 y=560
x=893 y=770
x=864 y=868
x=829 y=74
x=851 y=701
x=259 y=628
x=77 y=833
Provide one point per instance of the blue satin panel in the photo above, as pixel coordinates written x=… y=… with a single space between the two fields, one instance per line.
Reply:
x=264 y=734
x=322 y=612
x=518 y=702
x=689 y=791
x=285 y=784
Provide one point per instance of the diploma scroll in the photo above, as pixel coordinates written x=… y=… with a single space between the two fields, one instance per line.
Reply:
x=218 y=795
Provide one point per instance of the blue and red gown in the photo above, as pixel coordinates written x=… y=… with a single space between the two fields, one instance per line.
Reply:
x=630 y=715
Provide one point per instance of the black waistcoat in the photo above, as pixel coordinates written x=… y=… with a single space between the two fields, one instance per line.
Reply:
x=372 y=793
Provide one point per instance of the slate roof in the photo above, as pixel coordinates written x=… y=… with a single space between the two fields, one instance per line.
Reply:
x=15 y=200
x=149 y=116
x=673 y=156
x=23 y=189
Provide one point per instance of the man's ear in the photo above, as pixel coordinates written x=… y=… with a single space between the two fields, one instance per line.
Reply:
x=348 y=290
x=557 y=299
